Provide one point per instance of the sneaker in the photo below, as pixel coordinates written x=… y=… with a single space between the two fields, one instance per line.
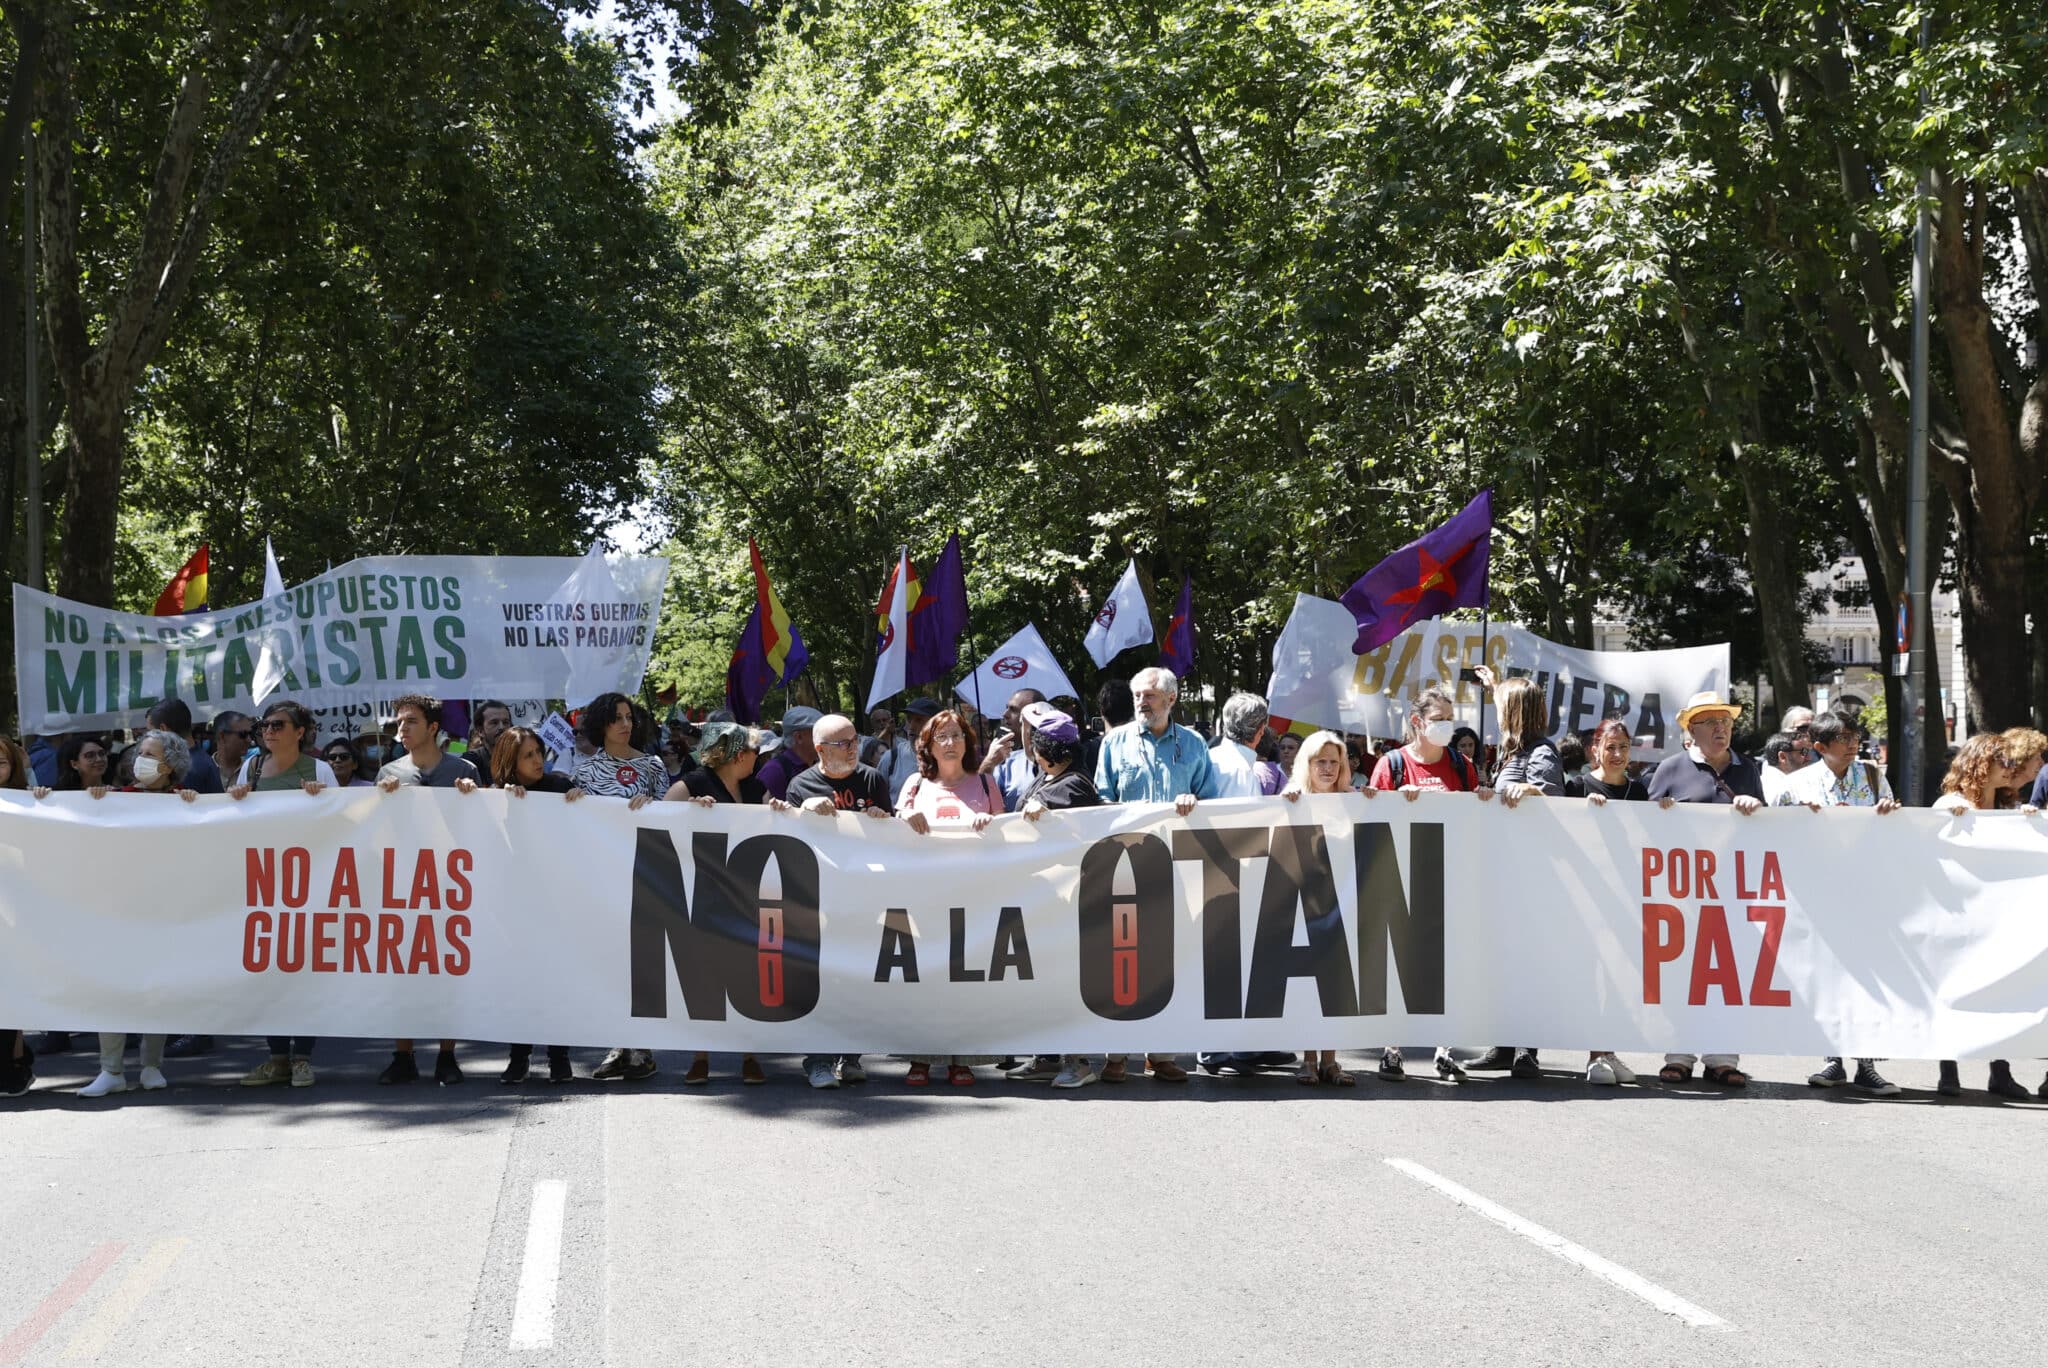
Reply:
x=1869 y=1080
x=1525 y=1065
x=1390 y=1063
x=1211 y=1063
x=850 y=1071
x=517 y=1067
x=822 y=1076
x=750 y=1070
x=16 y=1082
x=1951 y=1084
x=1076 y=1073
x=403 y=1068
x=447 y=1073
x=1622 y=1072
x=1600 y=1073
x=1040 y=1069
x=641 y=1066
x=1497 y=1059
x=268 y=1072
x=1831 y=1075
x=187 y=1046
x=103 y=1084
x=153 y=1080
x=1447 y=1065
x=560 y=1070
x=614 y=1064
x=1166 y=1071
x=1113 y=1071
x=302 y=1073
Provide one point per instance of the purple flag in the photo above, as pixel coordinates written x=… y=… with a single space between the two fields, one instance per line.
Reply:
x=937 y=619
x=1438 y=571
x=1177 y=651
x=749 y=676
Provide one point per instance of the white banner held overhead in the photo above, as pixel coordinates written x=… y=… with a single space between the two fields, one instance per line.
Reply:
x=1342 y=922
x=1122 y=622
x=1022 y=662
x=1318 y=681
x=368 y=631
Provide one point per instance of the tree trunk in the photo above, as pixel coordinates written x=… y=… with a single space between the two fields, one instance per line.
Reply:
x=1776 y=589
x=85 y=560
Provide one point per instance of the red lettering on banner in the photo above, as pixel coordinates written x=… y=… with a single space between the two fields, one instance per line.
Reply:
x=256 y=939
x=458 y=945
x=426 y=888
x=1761 y=993
x=323 y=941
x=391 y=898
x=771 y=978
x=390 y=935
x=1663 y=941
x=1773 y=885
x=460 y=862
x=261 y=869
x=1743 y=892
x=1703 y=873
x=425 y=953
x=298 y=876
x=1713 y=959
x=342 y=890
x=1653 y=865
x=291 y=942
x=355 y=943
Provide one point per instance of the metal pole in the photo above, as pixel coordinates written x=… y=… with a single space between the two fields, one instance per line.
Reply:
x=32 y=441
x=1917 y=569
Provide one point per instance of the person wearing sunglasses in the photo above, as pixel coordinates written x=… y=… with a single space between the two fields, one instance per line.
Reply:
x=233 y=733
x=348 y=771
x=282 y=766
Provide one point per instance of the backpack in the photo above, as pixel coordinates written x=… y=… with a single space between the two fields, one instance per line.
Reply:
x=1397 y=767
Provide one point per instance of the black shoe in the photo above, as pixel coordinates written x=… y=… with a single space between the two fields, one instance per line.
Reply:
x=516 y=1067
x=559 y=1070
x=639 y=1066
x=17 y=1076
x=1276 y=1059
x=1499 y=1059
x=1525 y=1065
x=2003 y=1084
x=53 y=1042
x=1447 y=1065
x=447 y=1072
x=401 y=1069
x=2043 y=1093
x=1951 y=1084
x=188 y=1046
x=1211 y=1063
x=1390 y=1064
x=1869 y=1080
x=1007 y=1063
x=1831 y=1075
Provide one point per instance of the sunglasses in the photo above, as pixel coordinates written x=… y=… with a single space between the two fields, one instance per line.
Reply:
x=245 y=733
x=275 y=724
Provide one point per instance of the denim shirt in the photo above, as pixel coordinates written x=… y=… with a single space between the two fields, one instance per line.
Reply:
x=1137 y=767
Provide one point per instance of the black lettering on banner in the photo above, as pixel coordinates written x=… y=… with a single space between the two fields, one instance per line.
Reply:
x=1221 y=851
x=1127 y=936
x=956 y=962
x=1412 y=921
x=1298 y=875
x=759 y=954
x=899 y=947
x=1012 y=950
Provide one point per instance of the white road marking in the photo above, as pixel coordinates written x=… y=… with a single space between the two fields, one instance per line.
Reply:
x=540 y=1272
x=1670 y=1303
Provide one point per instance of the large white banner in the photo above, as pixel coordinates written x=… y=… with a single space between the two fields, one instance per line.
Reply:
x=365 y=632
x=1316 y=679
x=1339 y=922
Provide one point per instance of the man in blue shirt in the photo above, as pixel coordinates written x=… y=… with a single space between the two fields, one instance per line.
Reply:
x=1153 y=759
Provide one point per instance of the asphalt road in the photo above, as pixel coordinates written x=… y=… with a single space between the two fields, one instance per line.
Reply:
x=1231 y=1220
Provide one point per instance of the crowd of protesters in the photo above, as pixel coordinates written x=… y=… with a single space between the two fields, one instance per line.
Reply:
x=932 y=768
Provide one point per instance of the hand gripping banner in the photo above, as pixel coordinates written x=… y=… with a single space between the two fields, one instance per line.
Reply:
x=1337 y=922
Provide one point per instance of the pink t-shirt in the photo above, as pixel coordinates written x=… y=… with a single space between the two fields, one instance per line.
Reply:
x=976 y=794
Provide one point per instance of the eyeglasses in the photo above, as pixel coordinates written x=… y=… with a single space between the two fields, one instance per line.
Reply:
x=244 y=732
x=92 y=755
x=839 y=745
x=273 y=724
x=955 y=737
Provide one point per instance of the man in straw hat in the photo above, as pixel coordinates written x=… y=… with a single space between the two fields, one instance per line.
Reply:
x=1708 y=771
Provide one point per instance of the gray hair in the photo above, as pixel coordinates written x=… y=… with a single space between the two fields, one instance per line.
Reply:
x=1244 y=714
x=1158 y=678
x=177 y=753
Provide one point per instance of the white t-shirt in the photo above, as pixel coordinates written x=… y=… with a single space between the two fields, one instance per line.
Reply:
x=1237 y=769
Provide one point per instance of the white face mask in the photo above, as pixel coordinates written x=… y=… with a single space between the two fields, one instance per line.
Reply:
x=147 y=768
x=1440 y=733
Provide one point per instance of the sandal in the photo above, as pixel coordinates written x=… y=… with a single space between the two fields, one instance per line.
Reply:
x=1727 y=1075
x=1675 y=1073
x=919 y=1075
x=1333 y=1074
x=960 y=1076
x=1306 y=1075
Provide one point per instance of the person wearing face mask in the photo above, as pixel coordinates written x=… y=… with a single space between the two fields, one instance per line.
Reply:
x=162 y=760
x=1426 y=763
x=1708 y=770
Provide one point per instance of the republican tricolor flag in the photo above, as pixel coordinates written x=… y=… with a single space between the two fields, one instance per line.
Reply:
x=770 y=650
x=186 y=593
